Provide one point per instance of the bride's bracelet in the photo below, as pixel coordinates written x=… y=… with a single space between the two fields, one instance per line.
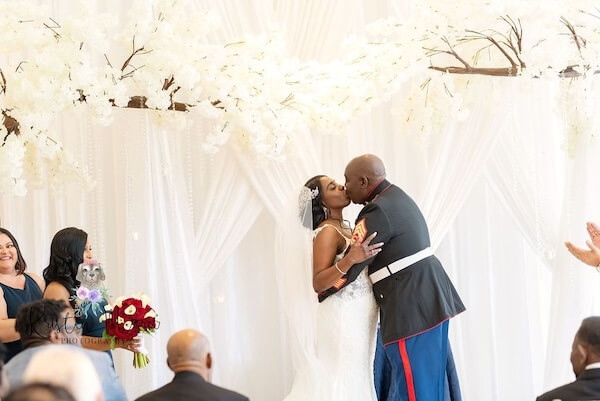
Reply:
x=338 y=269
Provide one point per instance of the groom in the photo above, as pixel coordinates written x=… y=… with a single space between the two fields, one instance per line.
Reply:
x=415 y=296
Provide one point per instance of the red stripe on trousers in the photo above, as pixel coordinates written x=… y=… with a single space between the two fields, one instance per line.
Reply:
x=410 y=387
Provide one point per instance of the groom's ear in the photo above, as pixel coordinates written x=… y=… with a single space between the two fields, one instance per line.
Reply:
x=364 y=182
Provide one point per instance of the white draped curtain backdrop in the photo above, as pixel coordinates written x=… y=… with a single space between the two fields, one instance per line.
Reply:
x=199 y=232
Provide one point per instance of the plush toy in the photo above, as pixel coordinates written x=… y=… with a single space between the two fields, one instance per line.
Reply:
x=91 y=275
x=89 y=295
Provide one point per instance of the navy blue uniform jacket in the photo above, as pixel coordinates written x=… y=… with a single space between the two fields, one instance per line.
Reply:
x=417 y=298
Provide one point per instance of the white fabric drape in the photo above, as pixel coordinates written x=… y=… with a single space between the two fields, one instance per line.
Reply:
x=456 y=157
x=527 y=163
x=159 y=236
x=230 y=208
x=574 y=288
x=504 y=286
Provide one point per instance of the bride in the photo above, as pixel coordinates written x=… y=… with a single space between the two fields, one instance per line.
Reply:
x=338 y=362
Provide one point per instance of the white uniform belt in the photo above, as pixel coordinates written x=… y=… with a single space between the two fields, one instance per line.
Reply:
x=400 y=264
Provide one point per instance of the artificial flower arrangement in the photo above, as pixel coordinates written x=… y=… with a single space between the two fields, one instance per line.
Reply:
x=90 y=294
x=127 y=319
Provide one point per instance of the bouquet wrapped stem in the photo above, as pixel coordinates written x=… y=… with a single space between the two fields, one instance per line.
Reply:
x=140 y=360
x=140 y=357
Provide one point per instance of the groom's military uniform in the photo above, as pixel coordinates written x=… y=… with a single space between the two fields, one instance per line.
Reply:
x=415 y=296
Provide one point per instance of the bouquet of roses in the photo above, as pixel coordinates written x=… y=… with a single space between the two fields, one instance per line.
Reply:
x=128 y=318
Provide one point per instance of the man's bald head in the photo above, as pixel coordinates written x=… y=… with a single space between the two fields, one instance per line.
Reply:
x=189 y=350
x=368 y=165
x=363 y=173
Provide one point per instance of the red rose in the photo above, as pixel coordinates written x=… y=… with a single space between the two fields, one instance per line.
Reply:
x=148 y=323
x=110 y=326
x=132 y=308
x=118 y=330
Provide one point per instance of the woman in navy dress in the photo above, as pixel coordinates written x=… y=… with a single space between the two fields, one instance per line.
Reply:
x=16 y=288
x=69 y=248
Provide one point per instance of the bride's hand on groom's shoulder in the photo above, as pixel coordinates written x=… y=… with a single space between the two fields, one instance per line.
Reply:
x=361 y=251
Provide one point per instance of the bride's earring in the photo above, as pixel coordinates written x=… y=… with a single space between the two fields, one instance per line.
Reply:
x=326 y=211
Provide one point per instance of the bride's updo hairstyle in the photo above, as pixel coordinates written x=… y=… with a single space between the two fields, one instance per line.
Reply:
x=318 y=209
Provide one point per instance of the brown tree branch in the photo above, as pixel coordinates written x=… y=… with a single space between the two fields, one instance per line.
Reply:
x=108 y=61
x=3 y=83
x=579 y=41
x=451 y=52
x=495 y=43
x=497 y=72
x=53 y=29
x=517 y=31
x=168 y=83
x=19 y=66
x=568 y=72
x=139 y=102
x=134 y=52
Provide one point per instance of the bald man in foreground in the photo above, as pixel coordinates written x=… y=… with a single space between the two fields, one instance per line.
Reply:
x=188 y=356
x=415 y=296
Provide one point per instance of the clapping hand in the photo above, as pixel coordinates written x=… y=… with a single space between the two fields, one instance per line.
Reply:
x=594 y=232
x=361 y=251
x=589 y=256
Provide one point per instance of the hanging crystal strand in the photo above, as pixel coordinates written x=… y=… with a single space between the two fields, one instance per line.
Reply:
x=568 y=200
x=128 y=207
x=94 y=197
x=188 y=170
x=98 y=202
x=540 y=245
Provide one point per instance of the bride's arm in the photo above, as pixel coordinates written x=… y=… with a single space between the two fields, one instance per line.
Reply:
x=325 y=272
x=325 y=248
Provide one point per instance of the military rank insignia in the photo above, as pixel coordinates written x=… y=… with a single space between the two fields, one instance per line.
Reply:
x=340 y=283
x=360 y=232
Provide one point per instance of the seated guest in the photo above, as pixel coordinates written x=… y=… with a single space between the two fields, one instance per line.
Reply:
x=40 y=392
x=188 y=355
x=75 y=372
x=585 y=359
x=46 y=324
x=16 y=289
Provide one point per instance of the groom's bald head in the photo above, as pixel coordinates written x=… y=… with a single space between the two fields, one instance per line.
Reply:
x=362 y=174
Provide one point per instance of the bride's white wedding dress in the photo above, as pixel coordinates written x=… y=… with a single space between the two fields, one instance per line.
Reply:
x=345 y=346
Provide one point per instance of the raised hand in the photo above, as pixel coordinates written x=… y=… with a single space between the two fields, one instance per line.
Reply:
x=589 y=257
x=361 y=251
x=594 y=232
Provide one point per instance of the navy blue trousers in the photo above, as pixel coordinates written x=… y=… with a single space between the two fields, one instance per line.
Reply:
x=419 y=368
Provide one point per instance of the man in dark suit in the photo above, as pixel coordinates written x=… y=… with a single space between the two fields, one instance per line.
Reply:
x=415 y=296
x=189 y=357
x=585 y=359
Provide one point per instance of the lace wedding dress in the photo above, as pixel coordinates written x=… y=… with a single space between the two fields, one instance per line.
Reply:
x=345 y=346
